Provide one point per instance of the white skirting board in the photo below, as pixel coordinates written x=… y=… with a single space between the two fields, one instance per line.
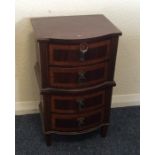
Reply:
x=30 y=107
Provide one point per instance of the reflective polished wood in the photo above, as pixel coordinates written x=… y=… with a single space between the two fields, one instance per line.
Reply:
x=75 y=72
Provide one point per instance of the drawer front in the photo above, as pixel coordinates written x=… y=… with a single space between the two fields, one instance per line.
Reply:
x=70 y=122
x=77 y=104
x=82 y=54
x=78 y=77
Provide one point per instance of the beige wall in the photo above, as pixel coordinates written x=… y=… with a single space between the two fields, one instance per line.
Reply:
x=124 y=14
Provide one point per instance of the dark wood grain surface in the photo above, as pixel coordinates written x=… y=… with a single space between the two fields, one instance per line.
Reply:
x=75 y=70
x=73 y=27
x=74 y=122
x=78 y=77
x=81 y=103
x=71 y=55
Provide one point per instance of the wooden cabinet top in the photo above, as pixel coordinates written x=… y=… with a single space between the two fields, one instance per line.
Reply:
x=73 y=27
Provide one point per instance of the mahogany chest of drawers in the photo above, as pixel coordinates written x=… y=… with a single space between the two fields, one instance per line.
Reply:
x=75 y=71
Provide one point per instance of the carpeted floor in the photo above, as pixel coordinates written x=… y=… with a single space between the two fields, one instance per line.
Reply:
x=122 y=138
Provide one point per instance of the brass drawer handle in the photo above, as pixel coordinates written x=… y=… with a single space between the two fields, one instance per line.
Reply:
x=81 y=121
x=83 y=50
x=81 y=104
x=81 y=77
x=82 y=56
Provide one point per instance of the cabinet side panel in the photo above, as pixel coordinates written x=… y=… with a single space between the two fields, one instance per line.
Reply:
x=108 y=97
x=46 y=113
x=113 y=48
x=44 y=63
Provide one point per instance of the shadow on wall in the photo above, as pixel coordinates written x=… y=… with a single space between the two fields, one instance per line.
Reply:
x=26 y=82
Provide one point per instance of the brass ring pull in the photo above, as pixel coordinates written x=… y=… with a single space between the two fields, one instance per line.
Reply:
x=83 y=50
x=81 y=104
x=83 y=47
x=81 y=77
x=81 y=121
